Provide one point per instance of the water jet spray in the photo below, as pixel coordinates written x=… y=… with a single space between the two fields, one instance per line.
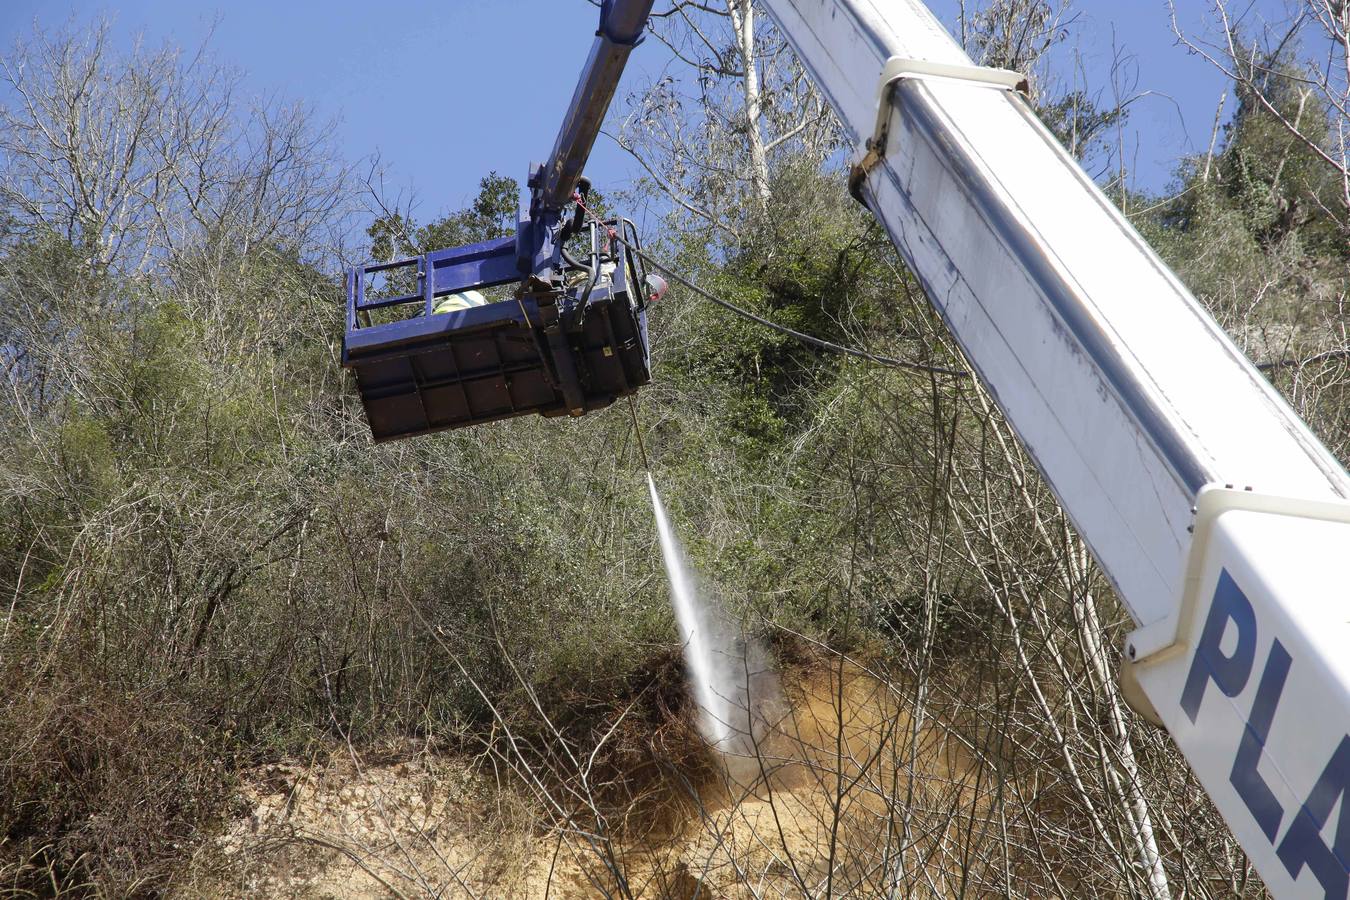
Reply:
x=728 y=674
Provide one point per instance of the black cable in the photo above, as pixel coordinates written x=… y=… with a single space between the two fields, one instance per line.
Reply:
x=637 y=430
x=805 y=338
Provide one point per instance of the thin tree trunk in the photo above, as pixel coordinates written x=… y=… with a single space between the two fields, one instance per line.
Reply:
x=743 y=23
x=1137 y=810
x=1214 y=136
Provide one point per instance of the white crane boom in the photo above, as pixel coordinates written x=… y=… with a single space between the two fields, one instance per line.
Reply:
x=1145 y=419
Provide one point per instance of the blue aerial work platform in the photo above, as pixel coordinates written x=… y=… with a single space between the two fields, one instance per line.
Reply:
x=571 y=337
x=541 y=350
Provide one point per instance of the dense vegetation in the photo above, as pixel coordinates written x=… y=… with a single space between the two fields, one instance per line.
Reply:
x=206 y=563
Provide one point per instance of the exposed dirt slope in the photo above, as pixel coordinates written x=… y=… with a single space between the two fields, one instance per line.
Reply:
x=425 y=825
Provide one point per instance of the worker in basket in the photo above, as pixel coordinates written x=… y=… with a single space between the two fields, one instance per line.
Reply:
x=457 y=301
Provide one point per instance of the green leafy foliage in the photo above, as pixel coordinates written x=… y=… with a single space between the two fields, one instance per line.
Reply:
x=492 y=214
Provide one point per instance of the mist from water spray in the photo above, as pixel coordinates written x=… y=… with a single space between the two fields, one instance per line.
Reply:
x=734 y=688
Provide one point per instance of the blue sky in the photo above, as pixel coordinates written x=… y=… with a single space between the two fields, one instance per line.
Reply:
x=446 y=90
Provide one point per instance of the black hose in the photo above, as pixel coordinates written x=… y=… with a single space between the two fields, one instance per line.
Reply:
x=790 y=332
x=593 y=272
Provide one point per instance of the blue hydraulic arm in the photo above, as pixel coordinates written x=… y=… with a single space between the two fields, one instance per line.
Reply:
x=621 y=25
x=553 y=183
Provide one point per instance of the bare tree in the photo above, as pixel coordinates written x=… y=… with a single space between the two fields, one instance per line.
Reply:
x=128 y=159
x=735 y=102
